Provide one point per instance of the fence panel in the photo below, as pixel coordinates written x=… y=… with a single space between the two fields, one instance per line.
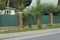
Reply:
x=8 y=20
x=45 y=19
x=56 y=19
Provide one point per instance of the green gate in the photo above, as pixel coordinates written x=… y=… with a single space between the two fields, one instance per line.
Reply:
x=8 y=20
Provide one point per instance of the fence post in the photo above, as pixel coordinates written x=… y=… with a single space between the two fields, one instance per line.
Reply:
x=20 y=20
x=51 y=19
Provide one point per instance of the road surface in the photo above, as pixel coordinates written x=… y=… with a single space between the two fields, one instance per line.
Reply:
x=46 y=36
x=49 y=37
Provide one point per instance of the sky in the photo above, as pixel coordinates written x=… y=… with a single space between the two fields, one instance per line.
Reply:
x=45 y=1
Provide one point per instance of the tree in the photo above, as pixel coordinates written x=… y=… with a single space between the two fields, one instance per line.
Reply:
x=2 y=4
x=58 y=2
x=37 y=12
x=57 y=11
x=50 y=9
x=19 y=4
x=27 y=2
x=27 y=17
x=8 y=2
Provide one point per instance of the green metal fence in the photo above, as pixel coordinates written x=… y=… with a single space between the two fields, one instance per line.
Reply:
x=45 y=19
x=12 y=20
x=8 y=20
x=56 y=19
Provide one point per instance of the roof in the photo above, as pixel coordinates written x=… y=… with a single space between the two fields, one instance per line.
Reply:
x=10 y=8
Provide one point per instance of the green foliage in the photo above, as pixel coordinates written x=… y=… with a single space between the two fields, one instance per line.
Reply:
x=27 y=17
x=37 y=10
x=49 y=8
x=17 y=4
x=27 y=2
x=57 y=10
x=2 y=4
x=20 y=4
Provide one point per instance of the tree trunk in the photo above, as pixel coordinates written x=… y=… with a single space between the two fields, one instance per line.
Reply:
x=38 y=22
x=58 y=2
x=51 y=19
x=8 y=3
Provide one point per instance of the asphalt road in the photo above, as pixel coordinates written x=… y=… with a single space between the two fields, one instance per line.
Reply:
x=47 y=36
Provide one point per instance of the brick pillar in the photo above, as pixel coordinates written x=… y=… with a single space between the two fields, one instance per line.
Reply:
x=20 y=20
x=51 y=19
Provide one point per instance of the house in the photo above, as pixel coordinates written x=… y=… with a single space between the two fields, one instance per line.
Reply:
x=2 y=12
x=8 y=11
x=33 y=3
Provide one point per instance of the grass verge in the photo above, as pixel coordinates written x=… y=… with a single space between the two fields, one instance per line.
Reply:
x=24 y=30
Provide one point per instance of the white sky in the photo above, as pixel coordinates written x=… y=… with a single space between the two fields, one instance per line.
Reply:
x=45 y=1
